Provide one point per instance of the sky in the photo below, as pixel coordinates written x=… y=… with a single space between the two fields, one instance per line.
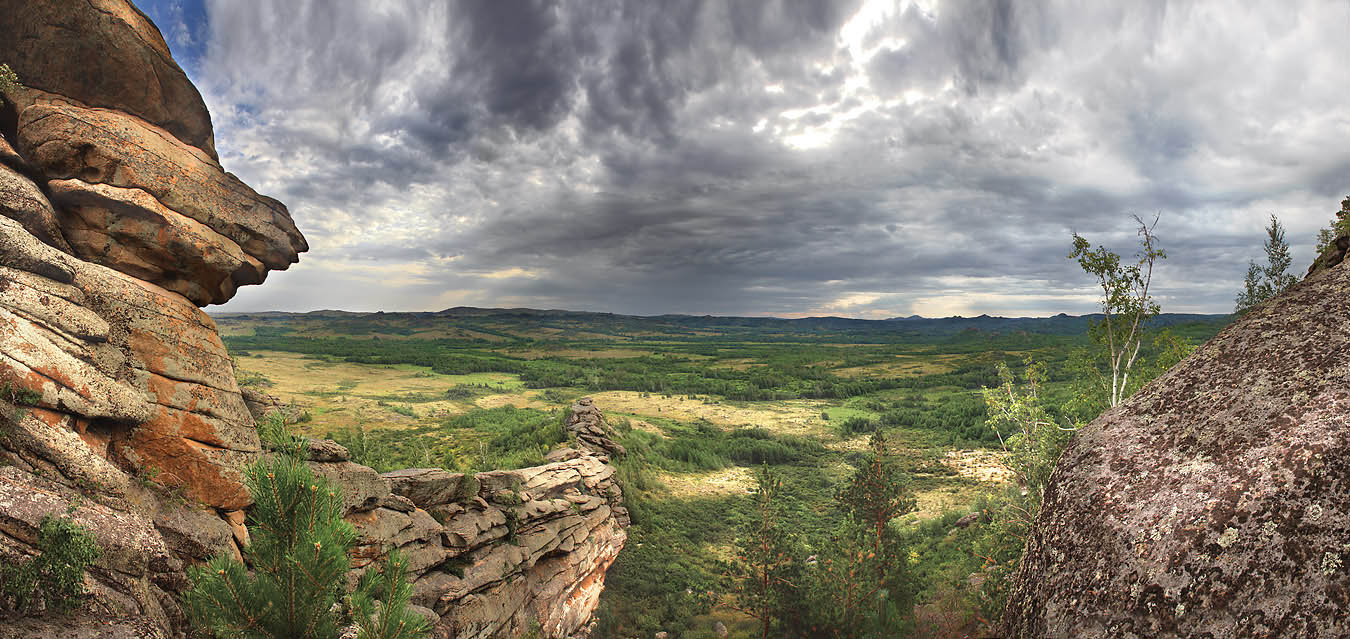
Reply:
x=794 y=158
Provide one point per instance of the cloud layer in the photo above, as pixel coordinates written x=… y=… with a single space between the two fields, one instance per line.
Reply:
x=789 y=157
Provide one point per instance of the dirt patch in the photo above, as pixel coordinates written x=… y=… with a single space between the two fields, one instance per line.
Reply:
x=979 y=465
x=736 y=480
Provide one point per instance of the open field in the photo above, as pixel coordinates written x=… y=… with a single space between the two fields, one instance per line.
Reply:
x=701 y=404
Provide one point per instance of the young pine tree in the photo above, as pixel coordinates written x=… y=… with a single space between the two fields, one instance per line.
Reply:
x=1263 y=283
x=380 y=603
x=862 y=587
x=298 y=553
x=761 y=580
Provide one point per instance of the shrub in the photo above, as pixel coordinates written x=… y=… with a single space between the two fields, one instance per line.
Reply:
x=9 y=80
x=857 y=425
x=55 y=576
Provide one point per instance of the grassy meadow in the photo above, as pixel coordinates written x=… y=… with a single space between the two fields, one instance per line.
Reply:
x=700 y=403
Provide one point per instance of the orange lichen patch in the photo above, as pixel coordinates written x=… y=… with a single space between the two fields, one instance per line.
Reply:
x=51 y=418
x=189 y=451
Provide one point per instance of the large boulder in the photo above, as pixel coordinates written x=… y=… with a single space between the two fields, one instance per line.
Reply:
x=104 y=53
x=1216 y=501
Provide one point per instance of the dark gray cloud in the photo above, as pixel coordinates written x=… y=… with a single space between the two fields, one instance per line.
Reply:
x=772 y=156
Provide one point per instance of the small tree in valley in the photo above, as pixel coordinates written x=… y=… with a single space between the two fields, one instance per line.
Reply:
x=862 y=585
x=760 y=581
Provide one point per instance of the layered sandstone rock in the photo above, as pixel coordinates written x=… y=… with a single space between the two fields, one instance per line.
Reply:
x=116 y=223
x=104 y=53
x=496 y=553
x=1216 y=501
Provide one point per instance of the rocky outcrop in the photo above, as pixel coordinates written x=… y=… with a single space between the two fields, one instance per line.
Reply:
x=116 y=223
x=496 y=553
x=1213 y=503
x=105 y=53
x=1340 y=245
x=587 y=424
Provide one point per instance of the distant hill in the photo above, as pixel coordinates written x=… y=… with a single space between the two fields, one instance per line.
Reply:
x=496 y=324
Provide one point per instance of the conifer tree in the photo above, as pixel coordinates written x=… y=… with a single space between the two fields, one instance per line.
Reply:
x=298 y=553
x=760 y=581
x=862 y=587
x=1263 y=283
x=380 y=603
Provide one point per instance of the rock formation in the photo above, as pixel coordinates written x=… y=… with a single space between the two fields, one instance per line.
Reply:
x=118 y=402
x=1213 y=503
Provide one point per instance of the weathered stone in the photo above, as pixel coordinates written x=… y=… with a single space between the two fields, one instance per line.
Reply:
x=193 y=532
x=128 y=544
x=131 y=232
x=23 y=202
x=66 y=141
x=1214 y=501
x=426 y=487
x=398 y=503
x=326 y=450
x=588 y=425
x=362 y=487
x=238 y=527
x=104 y=53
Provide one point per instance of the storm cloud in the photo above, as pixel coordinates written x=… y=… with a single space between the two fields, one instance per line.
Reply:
x=800 y=157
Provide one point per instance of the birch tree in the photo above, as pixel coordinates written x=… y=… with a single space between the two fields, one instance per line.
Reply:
x=1126 y=303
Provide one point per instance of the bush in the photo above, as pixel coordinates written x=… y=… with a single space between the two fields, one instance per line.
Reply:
x=298 y=552
x=380 y=604
x=857 y=426
x=9 y=80
x=55 y=576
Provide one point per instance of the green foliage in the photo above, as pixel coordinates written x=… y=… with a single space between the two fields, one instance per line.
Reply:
x=483 y=439
x=758 y=582
x=1265 y=282
x=55 y=577
x=276 y=434
x=9 y=80
x=1339 y=227
x=861 y=586
x=857 y=425
x=379 y=606
x=16 y=394
x=298 y=555
x=1126 y=303
x=1031 y=438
